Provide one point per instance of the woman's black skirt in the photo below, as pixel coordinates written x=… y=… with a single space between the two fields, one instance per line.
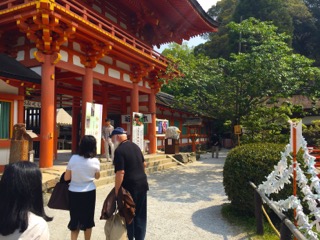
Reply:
x=82 y=205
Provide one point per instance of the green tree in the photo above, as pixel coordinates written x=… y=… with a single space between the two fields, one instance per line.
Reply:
x=196 y=89
x=218 y=42
x=268 y=70
x=231 y=89
x=299 y=19
x=266 y=10
x=269 y=123
x=313 y=46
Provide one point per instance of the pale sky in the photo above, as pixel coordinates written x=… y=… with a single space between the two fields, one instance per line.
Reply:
x=205 y=4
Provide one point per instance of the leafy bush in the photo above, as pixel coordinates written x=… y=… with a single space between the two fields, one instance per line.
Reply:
x=251 y=162
x=312 y=134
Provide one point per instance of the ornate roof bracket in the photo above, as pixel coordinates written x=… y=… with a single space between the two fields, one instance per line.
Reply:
x=46 y=30
x=140 y=71
x=93 y=52
x=155 y=80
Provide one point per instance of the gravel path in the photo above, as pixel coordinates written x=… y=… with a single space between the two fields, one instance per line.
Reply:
x=183 y=203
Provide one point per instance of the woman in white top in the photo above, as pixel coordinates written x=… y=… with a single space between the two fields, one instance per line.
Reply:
x=22 y=214
x=82 y=169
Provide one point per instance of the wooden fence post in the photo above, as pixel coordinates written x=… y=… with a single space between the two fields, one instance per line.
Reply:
x=258 y=212
x=285 y=233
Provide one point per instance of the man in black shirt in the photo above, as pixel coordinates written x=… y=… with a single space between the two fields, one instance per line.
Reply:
x=129 y=167
x=215 y=143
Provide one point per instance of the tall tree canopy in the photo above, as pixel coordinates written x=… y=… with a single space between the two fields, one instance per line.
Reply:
x=232 y=88
x=299 y=19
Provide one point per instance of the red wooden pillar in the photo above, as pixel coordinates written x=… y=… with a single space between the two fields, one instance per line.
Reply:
x=75 y=126
x=21 y=105
x=152 y=132
x=87 y=95
x=47 y=113
x=134 y=98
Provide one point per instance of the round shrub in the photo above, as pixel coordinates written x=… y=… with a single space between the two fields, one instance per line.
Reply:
x=250 y=162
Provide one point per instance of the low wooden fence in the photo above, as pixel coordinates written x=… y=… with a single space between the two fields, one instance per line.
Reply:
x=287 y=228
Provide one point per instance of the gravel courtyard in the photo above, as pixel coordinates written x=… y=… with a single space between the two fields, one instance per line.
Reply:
x=183 y=203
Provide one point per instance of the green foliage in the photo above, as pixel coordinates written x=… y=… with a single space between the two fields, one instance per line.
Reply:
x=232 y=89
x=218 y=42
x=197 y=86
x=268 y=70
x=312 y=134
x=312 y=31
x=251 y=162
x=269 y=123
x=299 y=19
x=265 y=10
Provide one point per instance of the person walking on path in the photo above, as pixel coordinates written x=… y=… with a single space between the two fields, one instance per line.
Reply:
x=129 y=167
x=106 y=133
x=22 y=213
x=82 y=169
x=215 y=145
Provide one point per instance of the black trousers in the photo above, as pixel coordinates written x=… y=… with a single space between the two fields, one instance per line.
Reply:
x=137 y=229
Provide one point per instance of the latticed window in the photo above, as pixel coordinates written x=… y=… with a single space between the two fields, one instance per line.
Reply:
x=5 y=118
x=184 y=130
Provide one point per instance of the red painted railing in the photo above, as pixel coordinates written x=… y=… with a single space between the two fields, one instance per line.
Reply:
x=78 y=8
x=6 y=4
x=99 y=20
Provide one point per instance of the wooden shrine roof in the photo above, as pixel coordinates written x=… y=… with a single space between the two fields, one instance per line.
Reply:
x=168 y=21
x=193 y=122
x=168 y=101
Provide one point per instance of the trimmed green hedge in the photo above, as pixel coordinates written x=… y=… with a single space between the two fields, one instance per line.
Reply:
x=250 y=162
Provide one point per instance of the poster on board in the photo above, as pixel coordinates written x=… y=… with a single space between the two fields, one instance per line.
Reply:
x=93 y=124
x=138 y=130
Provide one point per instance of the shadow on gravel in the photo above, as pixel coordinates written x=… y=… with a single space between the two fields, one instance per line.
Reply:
x=199 y=182
x=211 y=220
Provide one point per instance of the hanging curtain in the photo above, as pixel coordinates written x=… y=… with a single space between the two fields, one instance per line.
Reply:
x=5 y=120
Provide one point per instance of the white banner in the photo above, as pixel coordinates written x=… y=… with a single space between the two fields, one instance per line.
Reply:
x=93 y=123
x=138 y=130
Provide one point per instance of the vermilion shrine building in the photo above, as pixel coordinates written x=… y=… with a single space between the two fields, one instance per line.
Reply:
x=90 y=51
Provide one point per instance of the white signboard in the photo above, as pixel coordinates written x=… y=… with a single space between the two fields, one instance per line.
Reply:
x=93 y=122
x=127 y=118
x=33 y=104
x=138 y=130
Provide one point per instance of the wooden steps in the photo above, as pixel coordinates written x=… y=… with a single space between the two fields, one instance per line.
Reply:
x=156 y=162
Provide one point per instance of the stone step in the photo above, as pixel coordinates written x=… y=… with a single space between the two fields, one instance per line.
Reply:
x=152 y=157
x=161 y=167
x=104 y=181
x=150 y=164
x=154 y=165
x=110 y=179
x=148 y=158
x=109 y=170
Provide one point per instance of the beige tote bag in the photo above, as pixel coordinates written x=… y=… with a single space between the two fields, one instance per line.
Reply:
x=115 y=228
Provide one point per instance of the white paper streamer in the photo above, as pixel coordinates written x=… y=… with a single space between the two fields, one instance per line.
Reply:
x=282 y=174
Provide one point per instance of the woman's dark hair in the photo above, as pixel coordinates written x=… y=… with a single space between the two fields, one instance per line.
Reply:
x=20 y=193
x=88 y=146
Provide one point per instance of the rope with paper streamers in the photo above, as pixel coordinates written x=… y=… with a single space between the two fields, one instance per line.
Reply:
x=281 y=175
